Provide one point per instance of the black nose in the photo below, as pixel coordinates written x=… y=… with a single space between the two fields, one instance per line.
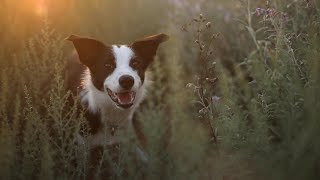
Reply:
x=126 y=82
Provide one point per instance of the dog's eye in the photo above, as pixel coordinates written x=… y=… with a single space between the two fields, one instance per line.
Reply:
x=136 y=64
x=109 y=66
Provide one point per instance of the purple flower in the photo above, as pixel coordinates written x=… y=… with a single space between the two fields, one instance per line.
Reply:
x=286 y=17
x=215 y=99
x=260 y=11
x=271 y=12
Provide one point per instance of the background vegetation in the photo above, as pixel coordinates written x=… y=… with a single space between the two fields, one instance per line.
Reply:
x=236 y=98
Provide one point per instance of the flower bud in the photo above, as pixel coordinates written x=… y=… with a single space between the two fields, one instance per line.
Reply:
x=189 y=85
x=208 y=25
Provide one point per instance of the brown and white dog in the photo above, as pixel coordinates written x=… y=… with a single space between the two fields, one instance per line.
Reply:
x=111 y=81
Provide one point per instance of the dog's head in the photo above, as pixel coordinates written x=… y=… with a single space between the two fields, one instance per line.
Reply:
x=118 y=71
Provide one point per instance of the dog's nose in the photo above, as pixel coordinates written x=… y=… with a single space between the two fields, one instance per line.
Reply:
x=126 y=82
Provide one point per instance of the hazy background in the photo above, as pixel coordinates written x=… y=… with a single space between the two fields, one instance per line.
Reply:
x=248 y=110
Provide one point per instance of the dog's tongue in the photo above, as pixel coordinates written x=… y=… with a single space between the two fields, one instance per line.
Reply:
x=125 y=98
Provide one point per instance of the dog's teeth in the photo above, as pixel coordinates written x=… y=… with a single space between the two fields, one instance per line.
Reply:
x=123 y=98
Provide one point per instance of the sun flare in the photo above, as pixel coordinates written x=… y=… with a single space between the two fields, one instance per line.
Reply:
x=41 y=7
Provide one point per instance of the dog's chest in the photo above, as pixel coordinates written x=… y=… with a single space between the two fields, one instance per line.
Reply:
x=112 y=116
x=114 y=123
x=116 y=126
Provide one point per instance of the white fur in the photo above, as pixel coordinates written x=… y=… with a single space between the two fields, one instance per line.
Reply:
x=123 y=55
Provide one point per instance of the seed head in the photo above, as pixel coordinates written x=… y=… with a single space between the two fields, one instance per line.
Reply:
x=208 y=25
x=211 y=80
x=189 y=85
x=184 y=28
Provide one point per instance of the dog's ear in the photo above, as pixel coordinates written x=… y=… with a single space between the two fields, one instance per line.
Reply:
x=147 y=47
x=89 y=50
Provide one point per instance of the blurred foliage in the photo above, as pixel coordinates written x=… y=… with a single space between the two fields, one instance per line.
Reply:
x=263 y=106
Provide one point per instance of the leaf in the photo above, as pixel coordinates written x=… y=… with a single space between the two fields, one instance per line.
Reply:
x=253 y=35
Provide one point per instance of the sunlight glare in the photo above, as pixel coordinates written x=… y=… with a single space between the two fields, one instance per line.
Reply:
x=41 y=8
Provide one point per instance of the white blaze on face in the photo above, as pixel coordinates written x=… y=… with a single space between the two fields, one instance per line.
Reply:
x=123 y=55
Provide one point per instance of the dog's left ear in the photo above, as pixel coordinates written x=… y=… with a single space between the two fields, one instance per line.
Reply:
x=147 y=47
x=88 y=49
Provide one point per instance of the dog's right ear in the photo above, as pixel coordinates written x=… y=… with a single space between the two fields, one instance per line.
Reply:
x=89 y=50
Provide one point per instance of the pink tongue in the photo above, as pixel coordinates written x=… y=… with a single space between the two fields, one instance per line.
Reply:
x=125 y=98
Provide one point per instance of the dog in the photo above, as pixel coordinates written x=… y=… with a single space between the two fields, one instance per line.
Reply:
x=110 y=81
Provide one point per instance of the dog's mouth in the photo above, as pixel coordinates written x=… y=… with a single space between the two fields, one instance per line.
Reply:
x=122 y=99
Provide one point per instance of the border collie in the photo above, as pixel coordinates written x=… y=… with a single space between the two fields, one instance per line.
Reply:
x=111 y=81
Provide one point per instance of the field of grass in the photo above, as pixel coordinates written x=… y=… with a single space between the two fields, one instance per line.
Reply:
x=235 y=92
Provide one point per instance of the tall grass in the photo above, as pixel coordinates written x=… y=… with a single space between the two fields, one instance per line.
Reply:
x=242 y=106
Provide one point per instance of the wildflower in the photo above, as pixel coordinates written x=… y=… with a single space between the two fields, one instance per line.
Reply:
x=215 y=99
x=260 y=11
x=285 y=17
x=270 y=12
